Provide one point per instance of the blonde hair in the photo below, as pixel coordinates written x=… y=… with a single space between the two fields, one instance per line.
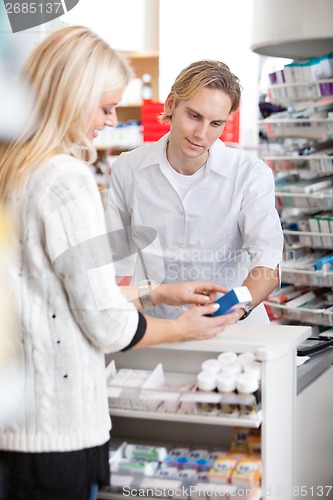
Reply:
x=205 y=73
x=67 y=73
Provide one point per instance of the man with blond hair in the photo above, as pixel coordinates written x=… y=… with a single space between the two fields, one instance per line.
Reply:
x=212 y=207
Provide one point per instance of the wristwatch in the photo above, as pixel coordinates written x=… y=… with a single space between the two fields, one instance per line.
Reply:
x=144 y=288
x=247 y=311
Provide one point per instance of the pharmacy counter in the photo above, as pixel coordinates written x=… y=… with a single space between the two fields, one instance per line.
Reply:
x=313 y=368
x=274 y=347
x=313 y=438
x=295 y=416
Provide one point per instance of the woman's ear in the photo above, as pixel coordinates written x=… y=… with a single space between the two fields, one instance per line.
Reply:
x=170 y=104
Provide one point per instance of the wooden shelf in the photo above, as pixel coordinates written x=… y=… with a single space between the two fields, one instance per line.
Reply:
x=146 y=62
x=129 y=112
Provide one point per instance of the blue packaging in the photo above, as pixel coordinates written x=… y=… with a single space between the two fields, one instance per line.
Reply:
x=233 y=300
x=325 y=263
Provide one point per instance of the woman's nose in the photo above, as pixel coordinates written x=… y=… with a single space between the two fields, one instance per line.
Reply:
x=112 y=121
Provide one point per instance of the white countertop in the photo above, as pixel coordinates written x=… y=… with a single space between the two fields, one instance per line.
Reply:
x=266 y=341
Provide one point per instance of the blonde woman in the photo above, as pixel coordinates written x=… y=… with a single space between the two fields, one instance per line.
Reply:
x=71 y=310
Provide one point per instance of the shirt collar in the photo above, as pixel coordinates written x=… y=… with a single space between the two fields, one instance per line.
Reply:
x=156 y=151
x=218 y=160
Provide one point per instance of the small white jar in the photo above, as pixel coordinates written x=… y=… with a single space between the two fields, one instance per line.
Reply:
x=227 y=356
x=232 y=367
x=253 y=368
x=212 y=365
x=245 y=358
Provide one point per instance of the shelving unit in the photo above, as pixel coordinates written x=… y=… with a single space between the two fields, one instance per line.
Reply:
x=305 y=277
x=316 y=128
x=298 y=92
x=311 y=120
x=129 y=112
x=115 y=141
x=275 y=347
x=141 y=62
x=316 y=163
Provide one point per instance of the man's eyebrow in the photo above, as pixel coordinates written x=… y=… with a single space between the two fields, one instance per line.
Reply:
x=222 y=120
x=193 y=111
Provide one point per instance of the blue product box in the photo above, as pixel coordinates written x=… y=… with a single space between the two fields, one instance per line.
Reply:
x=325 y=263
x=233 y=300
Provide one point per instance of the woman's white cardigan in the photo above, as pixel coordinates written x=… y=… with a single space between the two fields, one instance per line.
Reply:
x=70 y=311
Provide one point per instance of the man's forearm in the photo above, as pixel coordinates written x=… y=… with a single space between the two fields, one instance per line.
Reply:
x=261 y=281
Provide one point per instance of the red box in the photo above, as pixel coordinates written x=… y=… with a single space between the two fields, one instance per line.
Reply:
x=153 y=130
x=231 y=128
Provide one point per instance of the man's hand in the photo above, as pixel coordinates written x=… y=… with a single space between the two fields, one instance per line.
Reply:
x=192 y=292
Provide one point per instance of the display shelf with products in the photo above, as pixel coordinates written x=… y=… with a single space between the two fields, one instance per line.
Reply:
x=187 y=469
x=176 y=397
x=319 y=278
x=146 y=62
x=321 y=200
x=298 y=146
x=128 y=112
x=128 y=134
x=313 y=128
x=273 y=346
x=303 y=313
x=318 y=91
x=145 y=66
x=319 y=163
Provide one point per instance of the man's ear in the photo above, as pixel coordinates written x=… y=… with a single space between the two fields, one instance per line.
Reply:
x=170 y=104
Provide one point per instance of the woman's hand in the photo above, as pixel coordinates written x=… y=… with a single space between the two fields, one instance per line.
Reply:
x=191 y=292
x=194 y=324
